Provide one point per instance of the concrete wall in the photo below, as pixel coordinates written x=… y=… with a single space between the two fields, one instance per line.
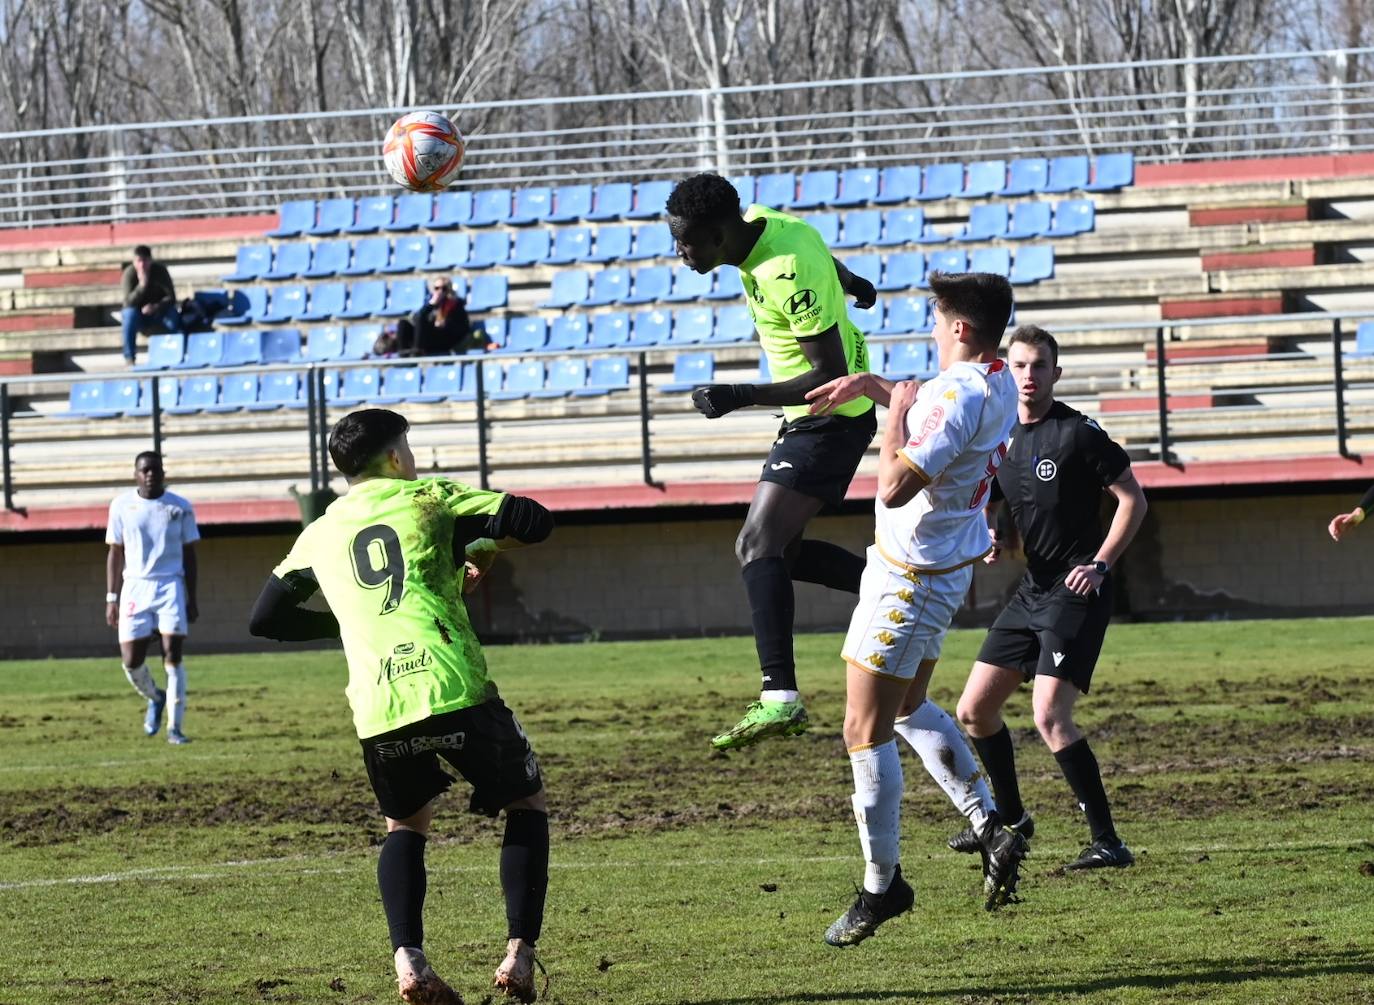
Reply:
x=1246 y=557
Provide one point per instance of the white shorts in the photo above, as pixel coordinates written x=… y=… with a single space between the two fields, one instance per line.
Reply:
x=902 y=616
x=148 y=604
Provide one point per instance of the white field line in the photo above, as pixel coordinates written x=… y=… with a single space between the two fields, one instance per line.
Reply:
x=129 y=762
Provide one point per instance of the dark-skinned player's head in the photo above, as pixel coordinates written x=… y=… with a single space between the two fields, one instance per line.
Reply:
x=149 y=476
x=982 y=301
x=701 y=211
x=372 y=443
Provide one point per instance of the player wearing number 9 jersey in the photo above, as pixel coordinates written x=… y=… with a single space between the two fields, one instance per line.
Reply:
x=392 y=558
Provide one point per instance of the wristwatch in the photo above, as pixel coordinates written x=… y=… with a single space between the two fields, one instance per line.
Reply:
x=1100 y=567
x=112 y=598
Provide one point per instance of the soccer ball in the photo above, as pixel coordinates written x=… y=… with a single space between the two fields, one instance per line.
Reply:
x=423 y=151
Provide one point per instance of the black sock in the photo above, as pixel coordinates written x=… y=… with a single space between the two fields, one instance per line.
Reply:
x=999 y=761
x=525 y=872
x=827 y=564
x=773 y=605
x=1085 y=778
x=401 y=877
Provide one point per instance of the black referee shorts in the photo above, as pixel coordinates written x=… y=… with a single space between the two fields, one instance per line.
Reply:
x=484 y=742
x=1051 y=631
x=817 y=455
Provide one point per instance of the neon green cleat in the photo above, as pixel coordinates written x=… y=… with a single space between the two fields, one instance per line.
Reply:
x=762 y=720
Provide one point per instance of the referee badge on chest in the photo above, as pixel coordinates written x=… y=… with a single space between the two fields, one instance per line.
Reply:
x=1046 y=469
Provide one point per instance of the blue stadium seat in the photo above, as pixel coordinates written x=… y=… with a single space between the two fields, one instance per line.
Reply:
x=405 y=297
x=241 y=348
x=650 y=328
x=568 y=288
x=451 y=209
x=986 y=222
x=1029 y=219
x=906 y=360
x=1068 y=174
x=858 y=187
x=245 y=307
x=651 y=240
x=994 y=260
x=613 y=200
x=877 y=356
x=294 y=218
x=164 y=351
x=828 y=224
x=693 y=324
x=250 y=262
x=291 y=260
x=287 y=303
x=565 y=377
x=326 y=301
x=904 y=315
x=817 y=188
x=746 y=186
x=867 y=266
x=487 y=293
x=531 y=247
x=86 y=400
x=195 y=394
x=489 y=248
x=688 y=285
x=903 y=271
x=941 y=181
x=409 y=254
x=728 y=285
x=651 y=284
x=1364 y=339
x=359 y=384
x=985 y=178
x=334 y=216
x=1027 y=176
x=862 y=227
x=281 y=345
x=1034 y=262
x=325 y=343
x=612 y=244
x=492 y=374
x=126 y=395
x=571 y=203
x=399 y=383
x=522 y=379
x=690 y=371
x=606 y=375
x=765 y=377
x=493 y=328
x=365 y=299
x=1073 y=217
x=954 y=260
x=359 y=340
x=733 y=324
x=532 y=205
x=203 y=349
x=277 y=390
x=570 y=244
x=412 y=212
x=1113 y=171
x=237 y=391
x=776 y=190
x=932 y=236
x=898 y=184
x=328 y=258
x=651 y=198
x=608 y=286
x=868 y=320
x=370 y=256
x=448 y=252
x=374 y=213
x=440 y=381
x=901 y=226
x=609 y=330
x=490 y=206
x=568 y=332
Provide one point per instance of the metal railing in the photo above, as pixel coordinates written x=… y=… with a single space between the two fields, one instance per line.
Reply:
x=1240 y=106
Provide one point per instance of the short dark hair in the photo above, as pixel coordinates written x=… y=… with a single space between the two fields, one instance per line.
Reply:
x=983 y=299
x=143 y=251
x=359 y=438
x=704 y=198
x=1036 y=336
x=153 y=454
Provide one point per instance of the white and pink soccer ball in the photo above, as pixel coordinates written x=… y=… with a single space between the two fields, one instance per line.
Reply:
x=423 y=151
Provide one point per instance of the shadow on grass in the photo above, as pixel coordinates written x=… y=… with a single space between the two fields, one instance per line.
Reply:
x=1238 y=972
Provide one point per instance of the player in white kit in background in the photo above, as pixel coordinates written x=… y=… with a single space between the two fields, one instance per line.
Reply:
x=150 y=578
x=939 y=454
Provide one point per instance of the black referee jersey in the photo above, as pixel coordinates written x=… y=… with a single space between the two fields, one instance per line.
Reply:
x=1052 y=478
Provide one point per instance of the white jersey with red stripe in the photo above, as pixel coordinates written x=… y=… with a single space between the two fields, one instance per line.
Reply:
x=957 y=432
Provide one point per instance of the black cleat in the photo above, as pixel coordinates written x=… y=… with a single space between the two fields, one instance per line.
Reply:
x=869 y=911
x=1003 y=849
x=1103 y=855
x=966 y=841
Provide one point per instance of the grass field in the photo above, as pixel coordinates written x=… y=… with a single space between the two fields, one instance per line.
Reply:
x=241 y=868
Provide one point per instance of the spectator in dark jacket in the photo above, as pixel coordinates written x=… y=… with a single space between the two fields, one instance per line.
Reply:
x=440 y=327
x=150 y=299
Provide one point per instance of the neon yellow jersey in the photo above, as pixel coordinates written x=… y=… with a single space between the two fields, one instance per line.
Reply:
x=794 y=294
x=383 y=556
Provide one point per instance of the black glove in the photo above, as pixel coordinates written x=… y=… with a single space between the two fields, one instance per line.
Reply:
x=865 y=296
x=715 y=400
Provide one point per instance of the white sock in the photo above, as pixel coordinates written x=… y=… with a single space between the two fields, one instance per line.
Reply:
x=878 y=811
x=176 y=695
x=779 y=695
x=142 y=681
x=946 y=755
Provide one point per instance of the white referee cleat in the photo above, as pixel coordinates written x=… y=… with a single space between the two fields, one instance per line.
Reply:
x=177 y=737
x=418 y=983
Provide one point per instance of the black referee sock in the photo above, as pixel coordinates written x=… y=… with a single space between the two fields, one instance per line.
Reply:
x=773 y=605
x=525 y=872
x=999 y=761
x=401 y=877
x=827 y=564
x=1085 y=778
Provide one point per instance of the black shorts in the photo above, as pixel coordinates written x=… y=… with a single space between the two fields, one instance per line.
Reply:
x=1051 y=631
x=485 y=744
x=817 y=455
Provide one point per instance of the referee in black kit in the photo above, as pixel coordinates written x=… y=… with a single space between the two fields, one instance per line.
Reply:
x=1059 y=463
